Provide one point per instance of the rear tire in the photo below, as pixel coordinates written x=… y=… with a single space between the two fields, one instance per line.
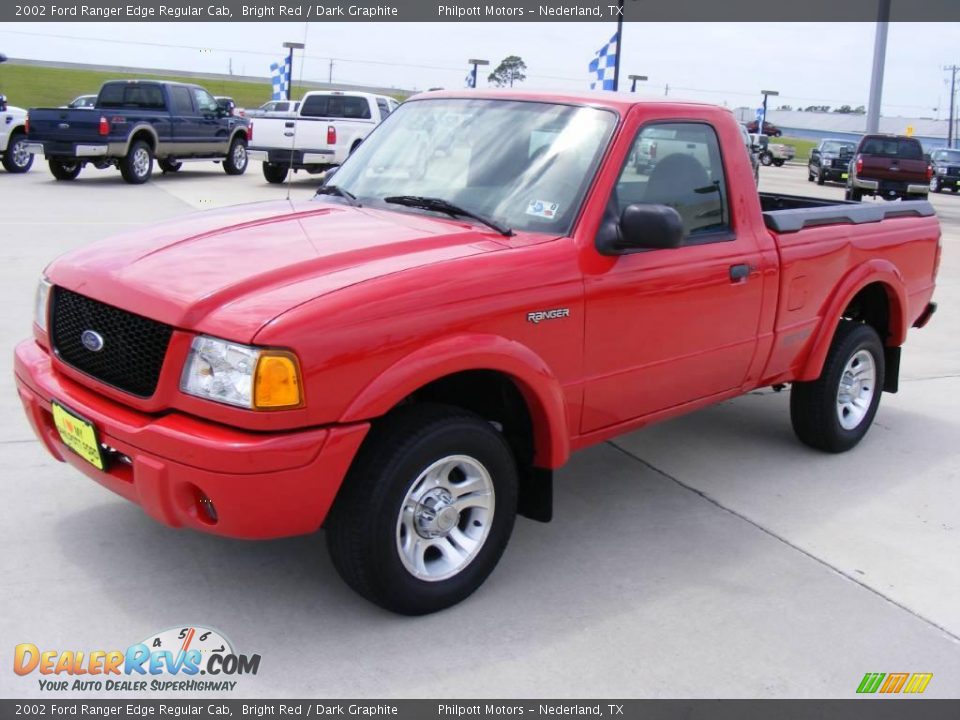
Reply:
x=854 y=194
x=236 y=161
x=275 y=174
x=426 y=510
x=137 y=166
x=16 y=159
x=834 y=412
x=64 y=169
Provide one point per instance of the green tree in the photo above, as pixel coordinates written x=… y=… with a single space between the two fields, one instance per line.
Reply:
x=845 y=109
x=509 y=71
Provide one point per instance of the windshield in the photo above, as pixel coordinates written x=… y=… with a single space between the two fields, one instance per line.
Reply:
x=950 y=156
x=835 y=146
x=525 y=165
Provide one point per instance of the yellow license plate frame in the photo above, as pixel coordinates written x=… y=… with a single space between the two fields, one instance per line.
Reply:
x=78 y=434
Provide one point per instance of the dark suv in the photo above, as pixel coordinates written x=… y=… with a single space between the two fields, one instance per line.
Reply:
x=889 y=166
x=830 y=160
x=945 y=164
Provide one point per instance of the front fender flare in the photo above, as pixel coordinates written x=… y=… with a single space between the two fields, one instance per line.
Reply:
x=540 y=389
x=873 y=271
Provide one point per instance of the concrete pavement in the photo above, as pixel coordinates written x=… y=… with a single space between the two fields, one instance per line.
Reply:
x=710 y=556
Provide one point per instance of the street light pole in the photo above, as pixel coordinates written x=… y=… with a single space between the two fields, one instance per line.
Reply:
x=879 y=58
x=291 y=46
x=633 y=81
x=953 y=91
x=476 y=63
x=763 y=117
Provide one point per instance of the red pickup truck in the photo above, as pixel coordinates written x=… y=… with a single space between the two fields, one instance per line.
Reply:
x=406 y=358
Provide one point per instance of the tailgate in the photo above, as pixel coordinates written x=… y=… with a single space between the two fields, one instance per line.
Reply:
x=65 y=125
x=894 y=168
x=275 y=133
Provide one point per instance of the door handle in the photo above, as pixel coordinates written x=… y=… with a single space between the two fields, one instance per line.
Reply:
x=740 y=272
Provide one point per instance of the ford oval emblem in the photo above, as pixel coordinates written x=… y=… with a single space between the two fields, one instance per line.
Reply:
x=92 y=340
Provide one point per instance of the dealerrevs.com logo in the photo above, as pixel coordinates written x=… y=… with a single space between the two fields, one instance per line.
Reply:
x=176 y=660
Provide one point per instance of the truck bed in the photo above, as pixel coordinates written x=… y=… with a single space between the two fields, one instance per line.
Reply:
x=792 y=213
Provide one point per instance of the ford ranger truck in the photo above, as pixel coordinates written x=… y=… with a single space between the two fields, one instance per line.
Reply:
x=135 y=122
x=405 y=359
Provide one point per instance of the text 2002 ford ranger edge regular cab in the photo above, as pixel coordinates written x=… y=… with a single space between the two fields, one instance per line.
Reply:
x=406 y=358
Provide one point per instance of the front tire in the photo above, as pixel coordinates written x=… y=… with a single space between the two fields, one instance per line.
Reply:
x=16 y=159
x=834 y=412
x=275 y=174
x=820 y=178
x=64 y=169
x=766 y=159
x=236 y=161
x=137 y=166
x=426 y=511
x=935 y=185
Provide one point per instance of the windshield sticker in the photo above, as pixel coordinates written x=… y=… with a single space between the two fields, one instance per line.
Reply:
x=543 y=208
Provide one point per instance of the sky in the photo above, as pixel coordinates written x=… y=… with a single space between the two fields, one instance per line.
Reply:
x=723 y=63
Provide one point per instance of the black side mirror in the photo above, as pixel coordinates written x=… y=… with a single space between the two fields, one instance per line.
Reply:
x=641 y=227
x=815 y=152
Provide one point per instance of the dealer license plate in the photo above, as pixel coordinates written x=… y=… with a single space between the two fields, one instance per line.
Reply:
x=78 y=434
x=844 y=176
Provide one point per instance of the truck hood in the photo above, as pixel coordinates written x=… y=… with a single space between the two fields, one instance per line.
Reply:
x=229 y=272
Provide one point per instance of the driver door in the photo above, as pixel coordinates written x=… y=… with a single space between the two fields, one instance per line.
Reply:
x=667 y=327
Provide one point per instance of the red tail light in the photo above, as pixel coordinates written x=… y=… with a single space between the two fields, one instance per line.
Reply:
x=26 y=125
x=331 y=135
x=250 y=132
x=104 y=126
x=929 y=173
x=859 y=164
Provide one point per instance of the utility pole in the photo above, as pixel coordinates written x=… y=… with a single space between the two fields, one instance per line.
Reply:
x=666 y=89
x=879 y=59
x=953 y=92
x=616 y=67
x=330 y=76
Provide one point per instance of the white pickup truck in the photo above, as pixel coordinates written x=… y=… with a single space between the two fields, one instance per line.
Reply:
x=327 y=127
x=13 y=138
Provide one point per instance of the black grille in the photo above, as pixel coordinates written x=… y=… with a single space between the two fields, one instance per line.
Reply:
x=953 y=171
x=133 y=346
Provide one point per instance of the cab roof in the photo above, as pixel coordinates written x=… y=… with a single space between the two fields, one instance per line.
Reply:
x=619 y=101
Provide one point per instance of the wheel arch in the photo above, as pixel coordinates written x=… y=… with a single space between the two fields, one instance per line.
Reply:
x=873 y=293
x=143 y=132
x=455 y=364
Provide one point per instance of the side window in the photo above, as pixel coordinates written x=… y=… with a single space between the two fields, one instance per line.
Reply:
x=678 y=164
x=384 y=108
x=204 y=101
x=315 y=106
x=181 y=100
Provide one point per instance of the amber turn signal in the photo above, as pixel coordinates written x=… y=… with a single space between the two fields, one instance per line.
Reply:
x=277 y=381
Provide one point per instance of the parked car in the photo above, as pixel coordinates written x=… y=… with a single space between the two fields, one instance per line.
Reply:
x=830 y=160
x=406 y=359
x=772 y=153
x=274 y=107
x=769 y=129
x=327 y=127
x=139 y=120
x=889 y=166
x=83 y=101
x=945 y=170
x=13 y=138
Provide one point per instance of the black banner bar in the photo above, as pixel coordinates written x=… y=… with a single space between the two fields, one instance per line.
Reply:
x=474 y=10
x=893 y=708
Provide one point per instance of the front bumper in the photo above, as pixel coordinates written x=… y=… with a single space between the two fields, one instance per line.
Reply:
x=259 y=485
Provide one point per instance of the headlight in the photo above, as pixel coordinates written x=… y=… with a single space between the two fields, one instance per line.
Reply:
x=241 y=375
x=941 y=171
x=40 y=302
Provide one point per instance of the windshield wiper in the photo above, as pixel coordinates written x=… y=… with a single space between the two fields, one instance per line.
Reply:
x=444 y=206
x=339 y=192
